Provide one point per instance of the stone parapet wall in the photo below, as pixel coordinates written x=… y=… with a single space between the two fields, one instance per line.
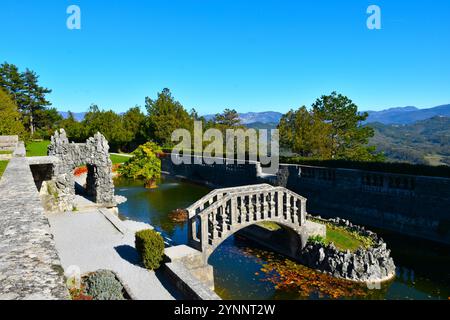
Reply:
x=8 y=143
x=220 y=175
x=29 y=264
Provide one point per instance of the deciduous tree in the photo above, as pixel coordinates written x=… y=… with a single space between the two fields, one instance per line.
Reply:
x=144 y=164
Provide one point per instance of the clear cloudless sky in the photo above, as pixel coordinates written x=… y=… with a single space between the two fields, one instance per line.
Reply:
x=249 y=55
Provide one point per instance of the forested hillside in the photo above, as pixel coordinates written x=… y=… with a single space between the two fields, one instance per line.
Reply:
x=426 y=142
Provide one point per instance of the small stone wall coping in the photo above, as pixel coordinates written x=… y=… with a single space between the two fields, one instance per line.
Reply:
x=188 y=284
x=42 y=160
x=20 y=151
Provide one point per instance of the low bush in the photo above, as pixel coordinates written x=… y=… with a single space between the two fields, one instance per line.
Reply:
x=103 y=285
x=318 y=240
x=150 y=246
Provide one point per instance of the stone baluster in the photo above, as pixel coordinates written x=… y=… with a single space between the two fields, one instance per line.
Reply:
x=295 y=211
x=213 y=229
x=204 y=227
x=217 y=216
x=250 y=208
x=266 y=204
x=244 y=213
x=272 y=209
x=238 y=207
x=258 y=211
x=223 y=213
x=287 y=215
x=280 y=205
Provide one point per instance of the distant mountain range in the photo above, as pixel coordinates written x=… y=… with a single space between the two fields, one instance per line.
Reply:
x=79 y=116
x=254 y=117
x=407 y=115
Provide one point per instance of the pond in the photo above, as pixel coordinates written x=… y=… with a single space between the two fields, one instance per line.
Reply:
x=244 y=270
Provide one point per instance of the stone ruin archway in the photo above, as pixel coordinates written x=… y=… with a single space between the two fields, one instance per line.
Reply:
x=95 y=155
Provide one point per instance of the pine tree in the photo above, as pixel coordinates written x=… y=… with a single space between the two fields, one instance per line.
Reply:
x=165 y=115
x=25 y=90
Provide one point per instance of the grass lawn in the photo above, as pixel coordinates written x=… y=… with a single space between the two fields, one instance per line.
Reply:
x=343 y=239
x=117 y=159
x=3 y=165
x=5 y=152
x=37 y=148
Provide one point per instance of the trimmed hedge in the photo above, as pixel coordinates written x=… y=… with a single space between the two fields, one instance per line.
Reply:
x=150 y=246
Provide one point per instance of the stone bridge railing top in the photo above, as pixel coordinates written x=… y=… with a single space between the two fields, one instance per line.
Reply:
x=218 y=194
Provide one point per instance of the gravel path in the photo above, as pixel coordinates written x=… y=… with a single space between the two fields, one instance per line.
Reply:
x=88 y=240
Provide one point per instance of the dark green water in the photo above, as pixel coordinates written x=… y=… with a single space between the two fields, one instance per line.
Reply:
x=423 y=268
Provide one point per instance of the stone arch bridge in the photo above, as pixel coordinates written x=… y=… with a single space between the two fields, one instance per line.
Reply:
x=223 y=212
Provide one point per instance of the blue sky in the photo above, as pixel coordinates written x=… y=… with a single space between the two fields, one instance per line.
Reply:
x=248 y=55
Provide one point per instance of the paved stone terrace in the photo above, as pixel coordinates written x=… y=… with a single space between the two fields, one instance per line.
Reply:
x=91 y=241
x=29 y=264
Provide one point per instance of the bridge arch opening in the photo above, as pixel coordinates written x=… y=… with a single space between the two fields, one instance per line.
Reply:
x=271 y=235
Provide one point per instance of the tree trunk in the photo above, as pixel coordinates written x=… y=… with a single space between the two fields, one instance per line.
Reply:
x=31 y=125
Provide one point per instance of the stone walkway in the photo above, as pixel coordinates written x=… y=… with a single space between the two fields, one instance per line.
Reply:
x=91 y=242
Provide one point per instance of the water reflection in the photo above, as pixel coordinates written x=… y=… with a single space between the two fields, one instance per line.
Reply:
x=423 y=268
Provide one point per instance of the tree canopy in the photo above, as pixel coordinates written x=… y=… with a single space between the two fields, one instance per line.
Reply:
x=164 y=115
x=331 y=130
x=305 y=134
x=10 y=119
x=144 y=164
x=24 y=89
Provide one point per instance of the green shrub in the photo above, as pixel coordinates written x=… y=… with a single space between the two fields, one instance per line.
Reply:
x=317 y=239
x=103 y=285
x=150 y=246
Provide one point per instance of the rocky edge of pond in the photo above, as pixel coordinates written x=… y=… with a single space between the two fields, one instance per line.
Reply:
x=372 y=264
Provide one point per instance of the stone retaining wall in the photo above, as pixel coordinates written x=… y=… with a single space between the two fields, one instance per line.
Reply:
x=29 y=264
x=372 y=264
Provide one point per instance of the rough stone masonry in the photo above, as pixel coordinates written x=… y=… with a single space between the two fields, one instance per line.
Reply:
x=29 y=265
x=95 y=155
